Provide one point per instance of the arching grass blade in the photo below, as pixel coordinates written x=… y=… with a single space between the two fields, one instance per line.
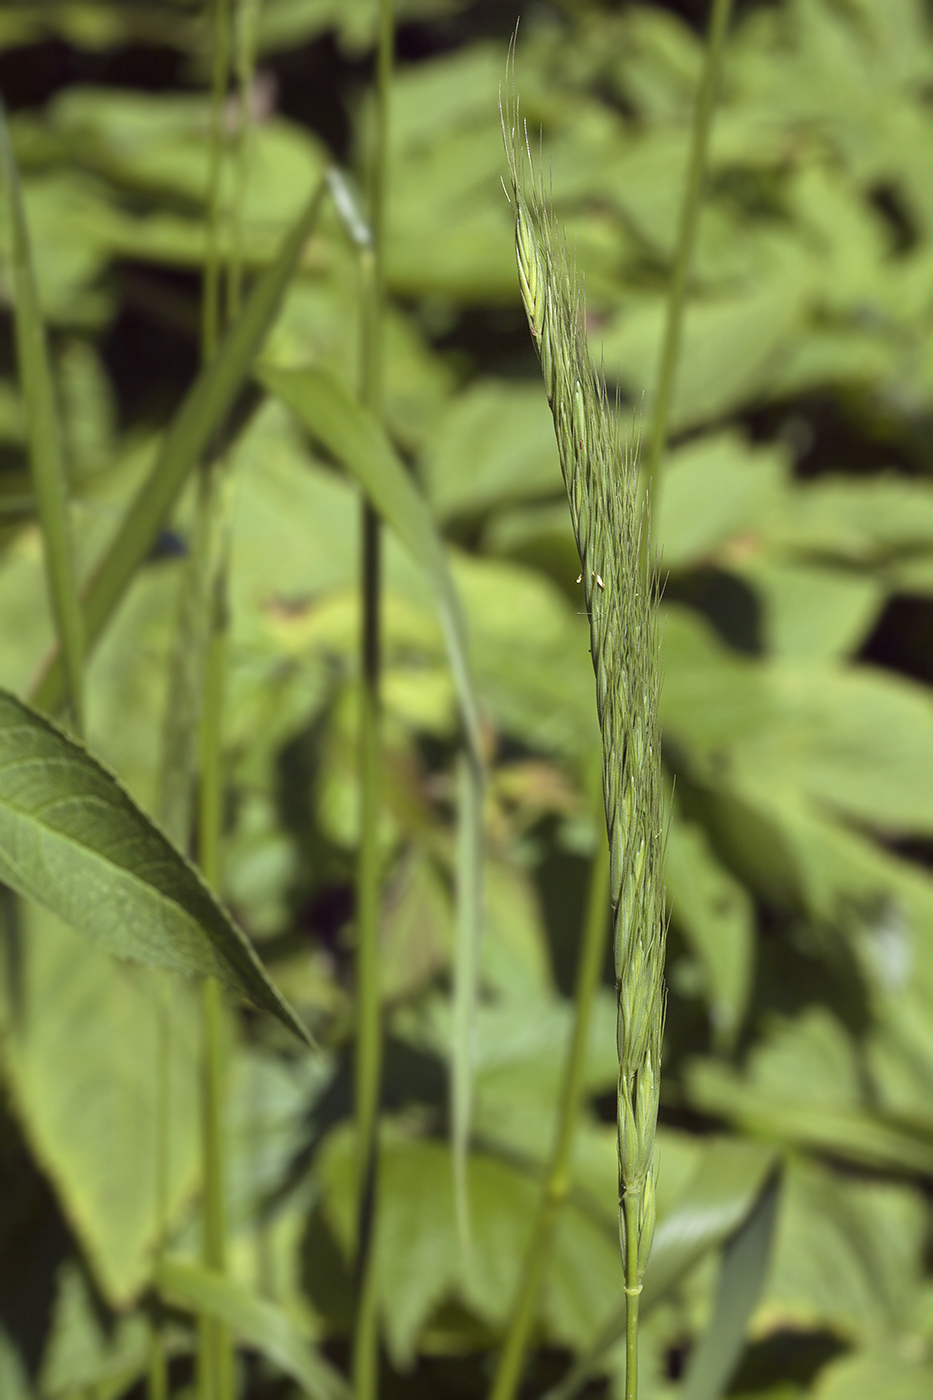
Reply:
x=187 y=437
x=744 y=1268
x=45 y=442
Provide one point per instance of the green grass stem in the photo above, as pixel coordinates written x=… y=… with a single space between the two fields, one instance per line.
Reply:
x=558 y=1179
x=686 y=241
x=368 y=1057
x=46 y=456
x=215 y=1347
x=221 y=27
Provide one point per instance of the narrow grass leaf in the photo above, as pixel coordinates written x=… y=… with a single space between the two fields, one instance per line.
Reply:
x=723 y=1192
x=72 y=839
x=188 y=435
x=260 y=1323
x=744 y=1268
x=352 y=435
x=45 y=440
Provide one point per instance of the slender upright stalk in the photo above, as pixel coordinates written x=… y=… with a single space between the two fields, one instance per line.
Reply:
x=215 y=1351
x=686 y=239
x=157 y=1386
x=617 y=575
x=221 y=29
x=368 y=1060
x=630 y=1209
x=557 y=1185
x=43 y=431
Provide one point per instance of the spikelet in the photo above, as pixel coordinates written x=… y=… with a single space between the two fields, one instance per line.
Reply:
x=601 y=476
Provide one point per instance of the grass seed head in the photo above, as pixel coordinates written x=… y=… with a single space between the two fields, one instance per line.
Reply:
x=609 y=522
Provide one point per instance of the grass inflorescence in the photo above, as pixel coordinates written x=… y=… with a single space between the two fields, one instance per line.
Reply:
x=610 y=522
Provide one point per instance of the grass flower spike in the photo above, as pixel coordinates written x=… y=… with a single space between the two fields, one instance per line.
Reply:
x=610 y=525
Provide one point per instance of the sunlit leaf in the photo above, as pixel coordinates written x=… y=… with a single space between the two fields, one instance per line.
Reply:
x=72 y=839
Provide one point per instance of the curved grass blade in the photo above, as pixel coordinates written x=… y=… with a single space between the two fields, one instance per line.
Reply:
x=354 y=437
x=188 y=435
x=721 y=1195
x=72 y=839
x=45 y=442
x=260 y=1323
x=744 y=1268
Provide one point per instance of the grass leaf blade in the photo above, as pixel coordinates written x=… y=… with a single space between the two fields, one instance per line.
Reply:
x=45 y=441
x=187 y=437
x=744 y=1268
x=352 y=435
x=72 y=839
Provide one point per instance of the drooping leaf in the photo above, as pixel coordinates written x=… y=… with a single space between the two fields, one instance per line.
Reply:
x=189 y=434
x=72 y=839
x=259 y=1322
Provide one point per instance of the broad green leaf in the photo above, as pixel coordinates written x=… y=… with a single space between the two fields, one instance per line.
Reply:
x=875 y=1374
x=744 y=1267
x=803 y=1087
x=84 y=1037
x=188 y=436
x=13 y=1382
x=848 y=1255
x=260 y=1324
x=158 y=143
x=530 y=653
x=714 y=489
x=728 y=347
x=419 y=1264
x=494 y=444
x=45 y=442
x=71 y=838
x=812 y=613
x=83 y=1354
x=856 y=739
x=871 y=521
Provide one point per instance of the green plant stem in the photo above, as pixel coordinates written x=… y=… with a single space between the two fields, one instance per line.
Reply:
x=220 y=74
x=631 y=1206
x=368 y=1062
x=43 y=432
x=157 y=1380
x=215 y=1355
x=686 y=240
x=557 y=1184
x=215 y=1352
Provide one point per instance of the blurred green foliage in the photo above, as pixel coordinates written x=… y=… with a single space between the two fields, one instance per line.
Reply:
x=795 y=520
